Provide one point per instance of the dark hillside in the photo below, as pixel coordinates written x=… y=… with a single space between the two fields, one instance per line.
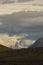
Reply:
x=29 y=56
x=38 y=43
x=4 y=48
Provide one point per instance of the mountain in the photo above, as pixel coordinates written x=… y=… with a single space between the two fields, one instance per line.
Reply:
x=38 y=43
x=20 y=44
x=4 y=48
x=26 y=56
x=15 y=41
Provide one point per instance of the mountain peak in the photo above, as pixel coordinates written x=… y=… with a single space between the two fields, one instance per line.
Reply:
x=38 y=43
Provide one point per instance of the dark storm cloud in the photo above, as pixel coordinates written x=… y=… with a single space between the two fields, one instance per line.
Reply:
x=23 y=22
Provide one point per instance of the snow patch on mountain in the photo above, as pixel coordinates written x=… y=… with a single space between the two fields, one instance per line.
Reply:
x=15 y=41
x=23 y=44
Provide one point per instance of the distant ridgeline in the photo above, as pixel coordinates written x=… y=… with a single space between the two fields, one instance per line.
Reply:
x=26 y=56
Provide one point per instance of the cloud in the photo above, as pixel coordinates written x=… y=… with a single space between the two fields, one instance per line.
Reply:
x=24 y=0
x=18 y=7
x=12 y=1
x=37 y=4
x=6 y=1
x=23 y=22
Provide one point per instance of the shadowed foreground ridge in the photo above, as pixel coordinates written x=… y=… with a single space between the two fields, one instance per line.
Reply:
x=27 y=56
x=4 y=48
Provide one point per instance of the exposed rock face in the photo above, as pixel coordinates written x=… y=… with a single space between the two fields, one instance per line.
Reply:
x=38 y=43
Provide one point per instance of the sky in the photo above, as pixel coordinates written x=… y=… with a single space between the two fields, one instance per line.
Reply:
x=21 y=17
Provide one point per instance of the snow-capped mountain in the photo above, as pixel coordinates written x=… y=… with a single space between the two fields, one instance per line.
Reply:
x=22 y=44
x=15 y=41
